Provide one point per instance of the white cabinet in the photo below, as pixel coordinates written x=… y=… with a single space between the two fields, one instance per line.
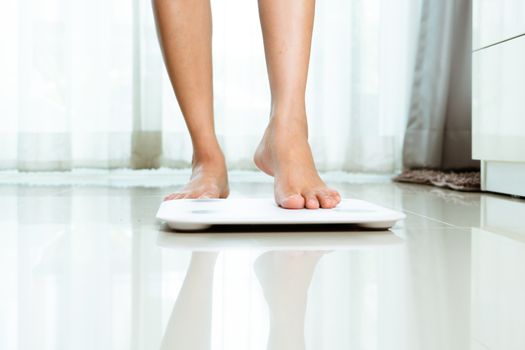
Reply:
x=499 y=102
x=498 y=88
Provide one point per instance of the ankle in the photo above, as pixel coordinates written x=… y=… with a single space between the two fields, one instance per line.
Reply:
x=286 y=124
x=210 y=158
x=291 y=101
x=292 y=112
x=288 y=111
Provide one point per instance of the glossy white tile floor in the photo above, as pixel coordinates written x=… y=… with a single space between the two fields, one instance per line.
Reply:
x=87 y=267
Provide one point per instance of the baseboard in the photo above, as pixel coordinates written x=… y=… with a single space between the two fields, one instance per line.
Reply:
x=503 y=177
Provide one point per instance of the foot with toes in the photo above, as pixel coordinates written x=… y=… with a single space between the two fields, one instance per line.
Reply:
x=209 y=179
x=285 y=154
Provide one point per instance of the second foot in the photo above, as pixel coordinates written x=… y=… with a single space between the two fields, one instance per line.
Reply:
x=208 y=180
x=285 y=154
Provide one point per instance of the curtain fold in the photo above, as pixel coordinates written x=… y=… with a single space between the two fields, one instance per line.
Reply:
x=84 y=86
x=438 y=131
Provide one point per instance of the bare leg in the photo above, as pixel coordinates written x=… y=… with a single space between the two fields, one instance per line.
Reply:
x=284 y=151
x=184 y=29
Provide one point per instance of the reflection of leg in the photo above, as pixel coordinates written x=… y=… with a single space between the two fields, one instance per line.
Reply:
x=189 y=326
x=285 y=278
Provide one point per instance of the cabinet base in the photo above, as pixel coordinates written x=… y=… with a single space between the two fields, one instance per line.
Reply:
x=503 y=177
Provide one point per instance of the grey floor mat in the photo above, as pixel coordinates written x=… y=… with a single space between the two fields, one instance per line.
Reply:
x=460 y=181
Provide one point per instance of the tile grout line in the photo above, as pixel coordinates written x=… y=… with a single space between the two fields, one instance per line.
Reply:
x=432 y=219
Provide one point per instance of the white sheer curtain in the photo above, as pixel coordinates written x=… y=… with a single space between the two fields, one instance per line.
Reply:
x=83 y=85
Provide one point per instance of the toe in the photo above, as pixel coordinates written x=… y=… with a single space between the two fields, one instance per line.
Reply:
x=334 y=195
x=294 y=201
x=326 y=200
x=311 y=201
x=172 y=196
x=179 y=195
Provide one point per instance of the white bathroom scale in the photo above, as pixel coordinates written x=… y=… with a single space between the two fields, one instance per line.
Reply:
x=201 y=214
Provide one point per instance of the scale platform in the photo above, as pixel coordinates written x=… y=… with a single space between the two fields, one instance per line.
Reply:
x=201 y=214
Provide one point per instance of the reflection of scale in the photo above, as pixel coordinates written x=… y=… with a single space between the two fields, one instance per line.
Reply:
x=200 y=214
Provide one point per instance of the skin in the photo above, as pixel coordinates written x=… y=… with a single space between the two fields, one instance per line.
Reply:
x=185 y=31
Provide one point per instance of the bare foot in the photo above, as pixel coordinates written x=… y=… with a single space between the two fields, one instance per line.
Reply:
x=285 y=154
x=209 y=179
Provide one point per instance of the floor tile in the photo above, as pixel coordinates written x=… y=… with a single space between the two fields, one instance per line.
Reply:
x=89 y=267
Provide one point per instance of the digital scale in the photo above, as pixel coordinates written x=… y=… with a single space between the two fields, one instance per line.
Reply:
x=201 y=214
